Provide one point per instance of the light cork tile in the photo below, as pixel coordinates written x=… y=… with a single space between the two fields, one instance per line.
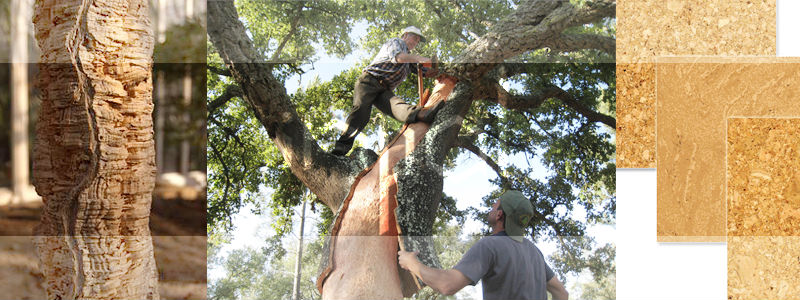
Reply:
x=636 y=108
x=647 y=29
x=763 y=267
x=695 y=96
x=763 y=191
x=650 y=28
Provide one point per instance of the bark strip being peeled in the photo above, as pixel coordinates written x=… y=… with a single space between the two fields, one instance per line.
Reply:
x=93 y=155
x=363 y=241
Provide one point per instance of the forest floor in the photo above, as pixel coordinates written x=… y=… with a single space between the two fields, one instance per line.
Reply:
x=179 y=239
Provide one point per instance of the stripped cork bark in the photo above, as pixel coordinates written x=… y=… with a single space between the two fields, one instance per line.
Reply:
x=93 y=155
x=364 y=236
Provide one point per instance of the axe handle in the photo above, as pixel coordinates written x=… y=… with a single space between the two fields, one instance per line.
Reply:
x=419 y=85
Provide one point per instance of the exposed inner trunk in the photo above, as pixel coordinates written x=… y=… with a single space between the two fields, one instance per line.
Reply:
x=94 y=154
x=364 y=242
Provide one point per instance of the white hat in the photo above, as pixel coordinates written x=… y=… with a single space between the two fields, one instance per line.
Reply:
x=414 y=30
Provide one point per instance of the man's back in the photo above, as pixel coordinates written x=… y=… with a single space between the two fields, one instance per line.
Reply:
x=509 y=269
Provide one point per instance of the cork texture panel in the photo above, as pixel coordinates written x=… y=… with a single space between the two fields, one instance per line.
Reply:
x=647 y=29
x=636 y=110
x=763 y=191
x=694 y=98
x=650 y=28
x=764 y=267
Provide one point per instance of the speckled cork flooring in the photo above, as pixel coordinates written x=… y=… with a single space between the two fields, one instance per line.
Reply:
x=647 y=29
x=763 y=192
x=763 y=267
x=695 y=98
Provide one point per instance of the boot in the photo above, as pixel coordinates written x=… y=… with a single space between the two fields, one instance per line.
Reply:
x=341 y=148
x=428 y=114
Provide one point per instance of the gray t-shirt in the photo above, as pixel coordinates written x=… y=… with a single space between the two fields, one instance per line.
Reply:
x=509 y=269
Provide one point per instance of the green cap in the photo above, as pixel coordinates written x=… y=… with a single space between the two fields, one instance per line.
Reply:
x=518 y=211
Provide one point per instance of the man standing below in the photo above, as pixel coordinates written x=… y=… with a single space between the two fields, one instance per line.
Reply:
x=510 y=266
x=375 y=85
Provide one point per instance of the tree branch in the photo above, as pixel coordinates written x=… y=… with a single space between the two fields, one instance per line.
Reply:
x=534 y=24
x=574 y=42
x=593 y=116
x=464 y=143
x=292 y=31
x=526 y=102
x=230 y=92
x=327 y=176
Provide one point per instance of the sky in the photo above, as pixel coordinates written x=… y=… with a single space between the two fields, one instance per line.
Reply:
x=468 y=183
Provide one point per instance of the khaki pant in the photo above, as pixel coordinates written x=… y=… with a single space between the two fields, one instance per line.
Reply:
x=368 y=92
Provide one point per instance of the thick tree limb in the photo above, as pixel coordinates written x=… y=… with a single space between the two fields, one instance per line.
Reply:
x=574 y=42
x=525 y=102
x=327 y=176
x=535 y=24
x=230 y=92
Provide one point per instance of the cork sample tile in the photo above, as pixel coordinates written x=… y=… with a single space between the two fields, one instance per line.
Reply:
x=695 y=96
x=636 y=109
x=764 y=267
x=647 y=29
x=763 y=192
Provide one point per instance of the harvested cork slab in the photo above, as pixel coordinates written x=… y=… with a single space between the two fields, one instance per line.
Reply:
x=636 y=110
x=763 y=192
x=695 y=96
x=763 y=267
x=647 y=29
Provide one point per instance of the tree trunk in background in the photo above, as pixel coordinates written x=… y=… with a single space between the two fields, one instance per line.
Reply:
x=185 y=161
x=19 y=99
x=93 y=155
x=161 y=91
x=299 y=258
x=187 y=101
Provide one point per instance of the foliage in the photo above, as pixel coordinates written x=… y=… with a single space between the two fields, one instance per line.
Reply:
x=261 y=273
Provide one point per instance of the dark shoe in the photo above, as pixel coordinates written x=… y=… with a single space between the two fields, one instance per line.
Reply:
x=428 y=114
x=341 y=149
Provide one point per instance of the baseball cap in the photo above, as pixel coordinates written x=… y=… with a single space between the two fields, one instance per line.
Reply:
x=518 y=211
x=414 y=30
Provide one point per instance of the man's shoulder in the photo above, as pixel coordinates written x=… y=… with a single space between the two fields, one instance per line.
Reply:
x=506 y=242
x=395 y=41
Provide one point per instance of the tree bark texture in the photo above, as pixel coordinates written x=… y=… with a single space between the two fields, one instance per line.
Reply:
x=93 y=155
x=364 y=239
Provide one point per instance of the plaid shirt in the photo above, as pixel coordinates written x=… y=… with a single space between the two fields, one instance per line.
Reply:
x=385 y=66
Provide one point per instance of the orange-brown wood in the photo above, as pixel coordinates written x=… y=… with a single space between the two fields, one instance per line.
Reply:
x=364 y=238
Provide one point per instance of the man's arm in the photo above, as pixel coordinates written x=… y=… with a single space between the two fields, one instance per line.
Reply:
x=445 y=282
x=556 y=288
x=411 y=58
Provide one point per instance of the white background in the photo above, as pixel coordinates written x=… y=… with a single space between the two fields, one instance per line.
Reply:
x=650 y=270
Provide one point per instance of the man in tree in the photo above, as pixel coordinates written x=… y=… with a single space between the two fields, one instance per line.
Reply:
x=375 y=85
x=510 y=266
